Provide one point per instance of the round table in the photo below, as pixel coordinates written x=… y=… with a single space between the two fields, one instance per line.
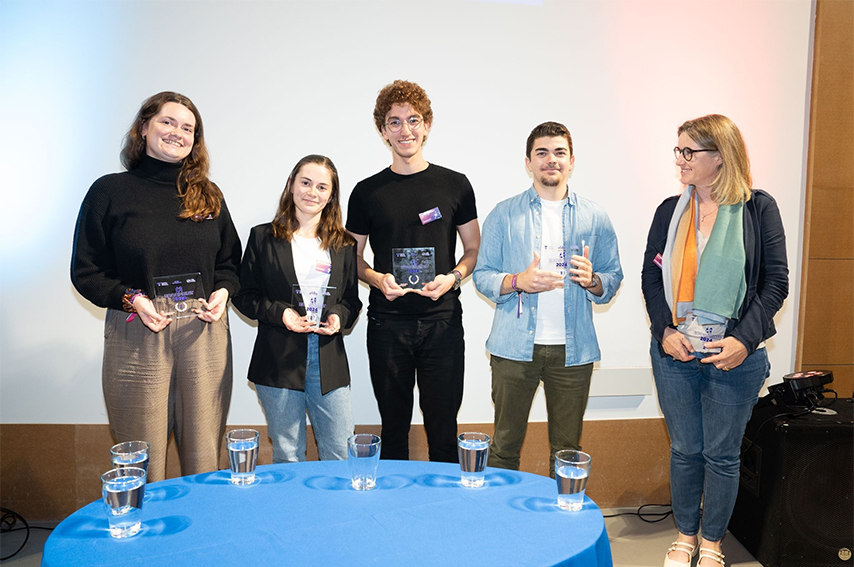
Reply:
x=307 y=514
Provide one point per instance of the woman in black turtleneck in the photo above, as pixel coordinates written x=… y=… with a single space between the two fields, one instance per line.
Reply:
x=166 y=368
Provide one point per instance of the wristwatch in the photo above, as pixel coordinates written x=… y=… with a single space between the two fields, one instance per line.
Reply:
x=458 y=279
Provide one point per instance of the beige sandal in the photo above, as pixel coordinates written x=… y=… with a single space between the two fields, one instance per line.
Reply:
x=683 y=546
x=711 y=554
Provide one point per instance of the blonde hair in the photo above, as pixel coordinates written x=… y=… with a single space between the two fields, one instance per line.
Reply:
x=717 y=132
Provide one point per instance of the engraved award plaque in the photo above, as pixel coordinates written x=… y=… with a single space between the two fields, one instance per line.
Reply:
x=554 y=259
x=413 y=267
x=312 y=299
x=174 y=295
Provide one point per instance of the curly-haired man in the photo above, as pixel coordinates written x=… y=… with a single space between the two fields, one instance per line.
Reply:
x=412 y=212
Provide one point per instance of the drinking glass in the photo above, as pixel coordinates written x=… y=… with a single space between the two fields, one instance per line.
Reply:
x=364 y=457
x=242 y=447
x=473 y=449
x=123 y=491
x=572 y=468
x=130 y=454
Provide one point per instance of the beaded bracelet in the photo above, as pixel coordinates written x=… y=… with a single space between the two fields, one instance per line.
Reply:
x=129 y=297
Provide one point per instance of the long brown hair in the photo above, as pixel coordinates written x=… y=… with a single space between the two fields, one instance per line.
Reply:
x=200 y=196
x=330 y=230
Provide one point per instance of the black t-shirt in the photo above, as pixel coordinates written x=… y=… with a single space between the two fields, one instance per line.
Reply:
x=386 y=208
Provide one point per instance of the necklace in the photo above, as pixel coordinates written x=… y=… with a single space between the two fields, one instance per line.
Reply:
x=703 y=217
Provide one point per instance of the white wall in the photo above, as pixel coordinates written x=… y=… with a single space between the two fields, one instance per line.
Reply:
x=277 y=80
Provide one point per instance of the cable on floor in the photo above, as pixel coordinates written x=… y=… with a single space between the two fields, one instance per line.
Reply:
x=647 y=516
x=8 y=521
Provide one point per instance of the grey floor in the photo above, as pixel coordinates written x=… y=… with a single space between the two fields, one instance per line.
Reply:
x=634 y=543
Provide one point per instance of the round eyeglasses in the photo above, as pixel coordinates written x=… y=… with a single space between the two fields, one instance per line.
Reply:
x=688 y=153
x=395 y=124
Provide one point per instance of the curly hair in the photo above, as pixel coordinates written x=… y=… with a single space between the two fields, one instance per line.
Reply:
x=402 y=92
x=719 y=133
x=199 y=195
x=331 y=228
x=547 y=130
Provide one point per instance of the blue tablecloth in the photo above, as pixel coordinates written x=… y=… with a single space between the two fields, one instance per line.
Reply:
x=307 y=514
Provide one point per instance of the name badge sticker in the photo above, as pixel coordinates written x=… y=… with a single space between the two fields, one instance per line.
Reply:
x=430 y=216
x=323 y=267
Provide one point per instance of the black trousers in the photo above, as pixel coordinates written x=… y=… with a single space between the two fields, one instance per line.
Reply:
x=431 y=352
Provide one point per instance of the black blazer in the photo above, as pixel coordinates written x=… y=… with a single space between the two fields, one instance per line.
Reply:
x=266 y=279
x=766 y=271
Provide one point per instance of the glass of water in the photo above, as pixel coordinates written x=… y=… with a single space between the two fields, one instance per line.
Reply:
x=363 y=453
x=242 y=447
x=473 y=449
x=572 y=468
x=123 y=491
x=130 y=454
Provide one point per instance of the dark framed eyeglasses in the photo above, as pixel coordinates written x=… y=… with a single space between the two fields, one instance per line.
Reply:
x=395 y=124
x=688 y=153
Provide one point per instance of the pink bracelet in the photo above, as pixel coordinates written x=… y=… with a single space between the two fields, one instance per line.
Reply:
x=513 y=284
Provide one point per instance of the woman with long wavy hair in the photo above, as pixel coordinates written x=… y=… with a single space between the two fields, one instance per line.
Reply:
x=298 y=280
x=156 y=246
x=714 y=275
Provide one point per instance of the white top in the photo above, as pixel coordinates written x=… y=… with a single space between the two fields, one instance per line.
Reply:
x=551 y=313
x=312 y=265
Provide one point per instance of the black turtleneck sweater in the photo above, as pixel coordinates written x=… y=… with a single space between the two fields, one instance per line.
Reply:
x=128 y=232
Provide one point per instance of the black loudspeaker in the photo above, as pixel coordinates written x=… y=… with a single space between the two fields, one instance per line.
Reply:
x=795 y=506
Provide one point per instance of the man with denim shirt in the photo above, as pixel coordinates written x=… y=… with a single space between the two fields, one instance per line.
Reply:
x=543 y=324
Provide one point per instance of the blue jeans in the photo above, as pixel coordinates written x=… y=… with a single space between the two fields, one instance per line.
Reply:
x=331 y=415
x=706 y=411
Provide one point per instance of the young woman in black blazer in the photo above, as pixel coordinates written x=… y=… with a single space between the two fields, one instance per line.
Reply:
x=298 y=280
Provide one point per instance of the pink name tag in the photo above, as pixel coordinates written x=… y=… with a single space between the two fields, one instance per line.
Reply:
x=430 y=216
x=324 y=267
x=657 y=260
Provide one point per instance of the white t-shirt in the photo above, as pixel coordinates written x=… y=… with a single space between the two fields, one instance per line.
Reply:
x=312 y=265
x=551 y=313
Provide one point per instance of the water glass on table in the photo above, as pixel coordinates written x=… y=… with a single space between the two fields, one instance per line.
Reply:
x=130 y=454
x=242 y=445
x=572 y=468
x=363 y=450
x=123 y=491
x=473 y=449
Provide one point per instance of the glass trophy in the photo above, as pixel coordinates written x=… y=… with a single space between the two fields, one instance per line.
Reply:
x=554 y=259
x=174 y=295
x=413 y=267
x=312 y=299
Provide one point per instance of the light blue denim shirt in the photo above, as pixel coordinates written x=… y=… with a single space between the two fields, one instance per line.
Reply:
x=511 y=234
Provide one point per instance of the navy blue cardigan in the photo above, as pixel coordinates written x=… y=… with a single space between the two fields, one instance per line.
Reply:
x=766 y=271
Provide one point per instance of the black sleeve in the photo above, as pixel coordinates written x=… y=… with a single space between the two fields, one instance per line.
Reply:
x=253 y=300
x=228 y=259
x=467 y=211
x=93 y=268
x=652 y=278
x=773 y=285
x=358 y=221
x=349 y=306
